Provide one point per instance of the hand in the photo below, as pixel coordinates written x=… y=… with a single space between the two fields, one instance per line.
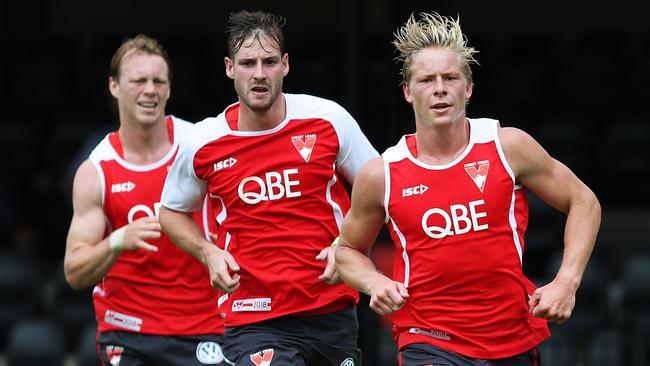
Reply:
x=139 y=230
x=553 y=302
x=329 y=274
x=220 y=263
x=387 y=296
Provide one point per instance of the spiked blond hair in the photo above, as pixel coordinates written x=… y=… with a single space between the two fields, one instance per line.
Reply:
x=432 y=30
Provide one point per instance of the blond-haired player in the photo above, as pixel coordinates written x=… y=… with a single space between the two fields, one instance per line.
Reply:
x=453 y=198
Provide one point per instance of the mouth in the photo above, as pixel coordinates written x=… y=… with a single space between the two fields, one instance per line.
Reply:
x=260 y=89
x=148 y=105
x=441 y=107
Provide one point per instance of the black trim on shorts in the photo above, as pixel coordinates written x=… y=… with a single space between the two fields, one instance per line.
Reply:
x=137 y=349
x=315 y=340
x=418 y=354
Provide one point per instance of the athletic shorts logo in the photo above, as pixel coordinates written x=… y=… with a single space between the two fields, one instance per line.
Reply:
x=209 y=353
x=262 y=358
x=114 y=354
x=478 y=171
x=347 y=362
x=304 y=144
x=257 y=304
x=123 y=320
x=433 y=333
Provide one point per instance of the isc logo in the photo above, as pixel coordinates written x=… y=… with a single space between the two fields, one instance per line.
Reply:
x=274 y=186
x=227 y=163
x=420 y=189
x=122 y=187
x=460 y=219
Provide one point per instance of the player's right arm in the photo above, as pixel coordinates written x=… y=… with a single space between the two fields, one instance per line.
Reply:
x=183 y=194
x=183 y=231
x=358 y=233
x=88 y=256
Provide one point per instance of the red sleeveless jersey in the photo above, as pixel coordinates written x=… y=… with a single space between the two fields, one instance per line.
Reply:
x=167 y=292
x=283 y=200
x=459 y=236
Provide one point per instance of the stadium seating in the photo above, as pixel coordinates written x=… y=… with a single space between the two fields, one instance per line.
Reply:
x=86 y=348
x=35 y=342
x=20 y=290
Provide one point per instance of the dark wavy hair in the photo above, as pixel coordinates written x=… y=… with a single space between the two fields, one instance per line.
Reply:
x=244 y=24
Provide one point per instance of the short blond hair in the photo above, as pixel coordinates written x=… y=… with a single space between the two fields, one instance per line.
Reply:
x=432 y=30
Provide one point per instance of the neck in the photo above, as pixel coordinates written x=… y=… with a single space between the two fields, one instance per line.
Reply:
x=440 y=145
x=254 y=120
x=144 y=143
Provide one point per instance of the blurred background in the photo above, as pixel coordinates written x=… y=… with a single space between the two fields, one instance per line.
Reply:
x=573 y=74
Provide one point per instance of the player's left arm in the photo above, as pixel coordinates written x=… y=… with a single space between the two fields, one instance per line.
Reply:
x=354 y=151
x=558 y=186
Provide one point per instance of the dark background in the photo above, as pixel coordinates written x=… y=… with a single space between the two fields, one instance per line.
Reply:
x=573 y=74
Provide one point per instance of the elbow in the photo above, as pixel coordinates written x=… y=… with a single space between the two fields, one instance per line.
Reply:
x=75 y=282
x=595 y=206
x=73 y=279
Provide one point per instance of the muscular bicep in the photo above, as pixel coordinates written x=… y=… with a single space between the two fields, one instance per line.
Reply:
x=88 y=221
x=366 y=216
x=545 y=176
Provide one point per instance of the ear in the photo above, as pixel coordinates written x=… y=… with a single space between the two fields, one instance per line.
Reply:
x=407 y=92
x=229 y=63
x=114 y=87
x=285 y=64
x=468 y=90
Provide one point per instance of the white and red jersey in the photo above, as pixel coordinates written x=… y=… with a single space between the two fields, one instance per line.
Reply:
x=283 y=200
x=167 y=292
x=459 y=238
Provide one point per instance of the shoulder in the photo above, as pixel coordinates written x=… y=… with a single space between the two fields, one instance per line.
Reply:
x=86 y=188
x=181 y=124
x=514 y=140
x=103 y=151
x=196 y=135
x=309 y=106
x=522 y=151
x=371 y=174
x=397 y=152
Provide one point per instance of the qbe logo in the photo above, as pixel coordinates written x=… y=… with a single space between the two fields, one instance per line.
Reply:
x=273 y=186
x=438 y=223
x=141 y=210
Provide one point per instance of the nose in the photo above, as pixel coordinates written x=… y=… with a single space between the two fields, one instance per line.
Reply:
x=149 y=87
x=439 y=88
x=259 y=71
